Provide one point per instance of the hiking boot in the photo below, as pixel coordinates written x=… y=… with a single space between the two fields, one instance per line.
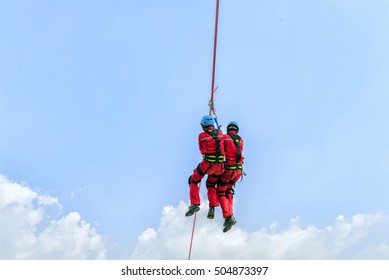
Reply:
x=228 y=223
x=211 y=212
x=225 y=221
x=192 y=209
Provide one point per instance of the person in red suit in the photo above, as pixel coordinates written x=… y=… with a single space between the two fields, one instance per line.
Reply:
x=233 y=146
x=211 y=146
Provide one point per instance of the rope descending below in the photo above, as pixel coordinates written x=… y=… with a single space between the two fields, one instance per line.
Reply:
x=191 y=239
x=211 y=104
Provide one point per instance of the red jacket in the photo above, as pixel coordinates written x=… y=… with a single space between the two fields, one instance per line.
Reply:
x=231 y=151
x=208 y=145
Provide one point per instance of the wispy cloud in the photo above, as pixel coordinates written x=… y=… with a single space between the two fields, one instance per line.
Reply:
x=23 y=214
x=363 y=236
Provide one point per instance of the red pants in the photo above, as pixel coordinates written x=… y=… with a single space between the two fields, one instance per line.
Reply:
x=225 y=190
x=214 y=171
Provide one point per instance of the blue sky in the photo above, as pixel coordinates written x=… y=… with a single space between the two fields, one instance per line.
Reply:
x=101 y=103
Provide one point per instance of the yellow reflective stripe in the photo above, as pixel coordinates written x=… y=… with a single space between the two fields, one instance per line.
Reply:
x=214 y=158
x=235 y=166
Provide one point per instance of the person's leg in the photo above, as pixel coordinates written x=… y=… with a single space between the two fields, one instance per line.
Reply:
x=194 y=187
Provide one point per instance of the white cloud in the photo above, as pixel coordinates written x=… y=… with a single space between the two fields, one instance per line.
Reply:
x=364 y=236
x=23 y=212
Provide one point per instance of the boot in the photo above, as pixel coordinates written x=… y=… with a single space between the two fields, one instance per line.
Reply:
x=192 y=209
x=225 y=221
x=211 y=212
x=228 y=223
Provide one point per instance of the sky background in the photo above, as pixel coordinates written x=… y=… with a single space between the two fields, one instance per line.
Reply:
x=100 y=105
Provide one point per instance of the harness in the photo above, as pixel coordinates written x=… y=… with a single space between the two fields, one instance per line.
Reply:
x=236 y=139
x=218 y=157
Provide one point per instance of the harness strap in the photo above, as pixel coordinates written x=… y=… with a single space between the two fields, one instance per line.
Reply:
x=201 y=172
x=237 y=139
x=190 y=180
x=214 y=158
x=230 y=191
x=237 y=166
x=215 y=135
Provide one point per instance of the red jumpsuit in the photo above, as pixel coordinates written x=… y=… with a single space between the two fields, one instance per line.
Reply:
x=212 y=149
x=232 y=173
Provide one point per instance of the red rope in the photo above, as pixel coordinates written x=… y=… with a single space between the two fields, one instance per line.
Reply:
x=211 y=108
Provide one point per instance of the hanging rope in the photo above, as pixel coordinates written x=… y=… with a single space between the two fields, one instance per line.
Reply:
x=211 y=105
x=213 y=89
x=191 y=239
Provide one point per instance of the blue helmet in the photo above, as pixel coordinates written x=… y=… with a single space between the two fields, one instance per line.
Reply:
x=233 y=126
x=207 y=120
